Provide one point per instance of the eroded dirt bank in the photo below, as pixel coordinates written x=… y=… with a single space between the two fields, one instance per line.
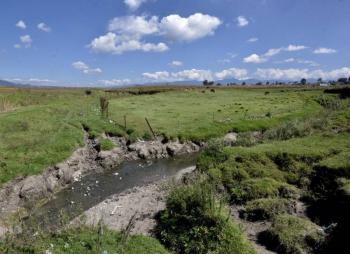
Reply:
x=138 y=206
x=24 y=193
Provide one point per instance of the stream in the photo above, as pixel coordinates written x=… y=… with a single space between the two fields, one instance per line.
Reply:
x=94 y=188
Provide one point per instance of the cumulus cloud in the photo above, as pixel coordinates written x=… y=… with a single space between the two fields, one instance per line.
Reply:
x=232 y=73
x=242 y=21
x=254 y=39
x=112 y=43
x=296 y=74
x=254 y=58
x=176 y=63
x=136 y=26
x=195 y=74
x=159 y=75
x=127 y=33
x=325 y=51
x=21 y=24
x=43 y=27
x=115 y=82
x=194 y=27
x=134 y=4
x=26 y=41
x=84 y=68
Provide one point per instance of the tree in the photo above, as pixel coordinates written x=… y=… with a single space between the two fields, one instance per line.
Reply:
x=205 y=82
x=243 y=84
x=319 y=80
x=303 y=81
x=343 y=80
x=211 y=83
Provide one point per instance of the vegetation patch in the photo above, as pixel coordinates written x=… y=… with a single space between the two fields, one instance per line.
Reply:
x=266 y=208
x=194 y=222
x=82 y=240
x=290 y=234
x=106 y=144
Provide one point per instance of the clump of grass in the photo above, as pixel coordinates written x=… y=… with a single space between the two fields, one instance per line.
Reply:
x=82 y=240
x=5 y=105
x=288 y=130
x=194 y=222
x=266 y=208
x=329 y=102
x=290 y=234
x=106 y=144
x=256 y=188
x=104 y=103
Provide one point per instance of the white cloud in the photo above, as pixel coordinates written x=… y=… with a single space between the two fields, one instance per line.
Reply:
x=159 y=75
x=176 y=63
x=43 y=27
x=193 y=74
x=135 y=26
x=17 y=46
x=26 y=40
x=21 y=24
x=242 y=21
x=325 y=51
x=254 y=58
x=117 y=44
x=296 y=74
x=36 y=81
x=292 y=47
x=115 y=82
x=84 y=68
x=253 y=39
x=289 y=60
x=188 y=29
x=273 y=51
x=232 y=73
x=134 y=4
x=281 y=74
x=126 y=33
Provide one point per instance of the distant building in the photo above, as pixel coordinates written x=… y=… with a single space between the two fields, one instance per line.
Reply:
x=324 y=84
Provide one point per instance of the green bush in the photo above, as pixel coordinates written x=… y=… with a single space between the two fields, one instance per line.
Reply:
x=106 y=144
x=194 y=222
x=82 y=240
x=266 y=208
x=329 y=102
x=294 y=235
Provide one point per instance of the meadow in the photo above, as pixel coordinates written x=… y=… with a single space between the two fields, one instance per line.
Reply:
x=299 y=159
x=41 y=127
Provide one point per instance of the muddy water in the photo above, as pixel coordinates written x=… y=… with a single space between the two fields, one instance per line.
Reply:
x=94 y=188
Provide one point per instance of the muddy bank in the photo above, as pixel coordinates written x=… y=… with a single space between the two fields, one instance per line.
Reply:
x=138 y=206
x=24 y=193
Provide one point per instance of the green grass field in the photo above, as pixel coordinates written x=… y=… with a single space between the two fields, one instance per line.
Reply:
x=40 y=127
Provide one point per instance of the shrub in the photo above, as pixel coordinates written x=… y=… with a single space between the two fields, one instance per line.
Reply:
x=194 y=222
x=88 y=92
x=266 y=208
x=290 y=234
x=130 y=131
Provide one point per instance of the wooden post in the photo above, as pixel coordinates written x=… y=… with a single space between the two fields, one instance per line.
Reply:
x=150 y=127
x=125 y=122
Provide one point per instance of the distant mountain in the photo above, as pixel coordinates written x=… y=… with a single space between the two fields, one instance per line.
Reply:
x=12 y=84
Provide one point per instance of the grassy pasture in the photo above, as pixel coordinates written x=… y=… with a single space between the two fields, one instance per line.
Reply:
x=40 y=127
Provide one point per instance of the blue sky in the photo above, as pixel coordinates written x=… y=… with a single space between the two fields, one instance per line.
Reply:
x=115 y=42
